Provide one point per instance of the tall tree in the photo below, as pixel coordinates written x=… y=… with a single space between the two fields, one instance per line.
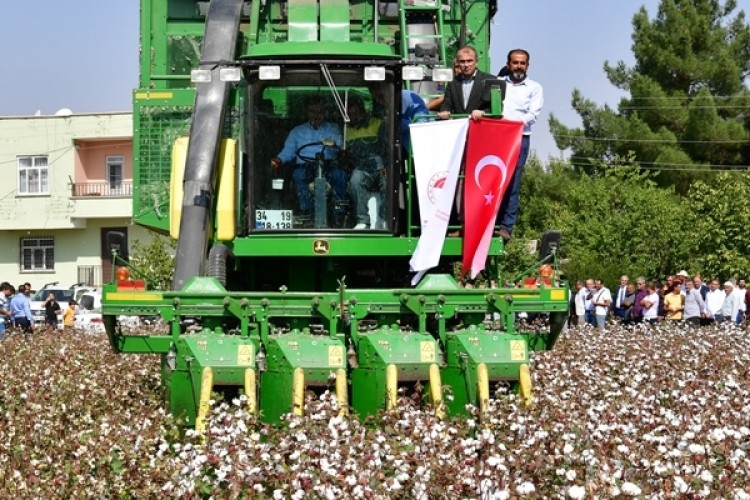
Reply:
x=689 y=105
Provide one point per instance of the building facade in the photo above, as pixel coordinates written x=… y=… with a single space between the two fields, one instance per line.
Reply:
x=67 y=182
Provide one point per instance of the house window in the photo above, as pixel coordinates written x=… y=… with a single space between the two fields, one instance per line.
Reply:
x=38 y=254
x=114 y=174
x=33 y=175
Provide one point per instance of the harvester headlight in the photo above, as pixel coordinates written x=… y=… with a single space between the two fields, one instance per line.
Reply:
x=374 y=74
x=200 y=76
x=229 y=74
x=442 y=75
x=269 y=72
x=412 y=73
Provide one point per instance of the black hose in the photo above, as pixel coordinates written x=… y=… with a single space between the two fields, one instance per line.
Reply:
x=218 y=257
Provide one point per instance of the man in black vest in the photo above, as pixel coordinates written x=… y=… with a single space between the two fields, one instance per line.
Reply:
x=619 y=308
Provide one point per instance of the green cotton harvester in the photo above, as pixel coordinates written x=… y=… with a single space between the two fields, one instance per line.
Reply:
x=271 y=300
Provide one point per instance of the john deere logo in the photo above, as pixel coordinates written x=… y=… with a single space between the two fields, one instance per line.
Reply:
x=321 y=247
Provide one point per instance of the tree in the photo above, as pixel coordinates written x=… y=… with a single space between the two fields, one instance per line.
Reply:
x=619 y=222
x=719 y=218
x=688 y=105
x=155 y=260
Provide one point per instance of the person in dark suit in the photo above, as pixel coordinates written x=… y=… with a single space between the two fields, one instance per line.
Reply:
x=463 y=96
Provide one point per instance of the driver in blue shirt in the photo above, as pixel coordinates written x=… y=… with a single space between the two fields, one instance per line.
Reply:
x=314 y=132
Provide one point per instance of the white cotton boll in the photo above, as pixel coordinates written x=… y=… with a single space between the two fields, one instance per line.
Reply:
x=568 y=449
x=706 y=476
x=622 y=448
x=525 y=488
x=630 y=489
x=697 y=449
x=680 y=485
x=570 y=475
x=717 y=435
x=576 y=492
x=739 y=494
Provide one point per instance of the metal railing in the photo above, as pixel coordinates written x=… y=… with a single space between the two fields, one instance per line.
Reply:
x=102 y=189
x=90 y=275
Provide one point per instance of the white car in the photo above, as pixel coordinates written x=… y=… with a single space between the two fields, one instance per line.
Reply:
x=88 y=315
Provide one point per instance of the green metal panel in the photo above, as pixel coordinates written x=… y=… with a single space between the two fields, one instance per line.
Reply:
x=339 y=246
x=318 y=355
x=303 y=20
x=325 y=49
x=368 y=391
x=334 y=20
x=502 y=353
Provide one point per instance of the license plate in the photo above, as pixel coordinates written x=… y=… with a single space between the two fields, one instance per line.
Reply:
x=273 y=219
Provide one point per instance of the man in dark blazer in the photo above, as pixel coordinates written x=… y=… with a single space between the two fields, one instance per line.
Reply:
x=463 y=96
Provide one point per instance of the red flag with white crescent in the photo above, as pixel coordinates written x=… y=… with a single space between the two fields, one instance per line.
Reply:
x=492 y=151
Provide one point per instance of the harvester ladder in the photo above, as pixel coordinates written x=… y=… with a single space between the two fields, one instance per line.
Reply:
x=422 y=20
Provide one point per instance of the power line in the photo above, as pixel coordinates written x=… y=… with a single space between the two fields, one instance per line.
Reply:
x=664 y=167
x=689 y=106
x=656 y=141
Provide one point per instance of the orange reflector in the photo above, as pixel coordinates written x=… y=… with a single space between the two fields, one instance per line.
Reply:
x=131 y=285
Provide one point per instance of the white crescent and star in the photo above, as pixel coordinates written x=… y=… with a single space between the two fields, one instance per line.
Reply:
x=495 y=161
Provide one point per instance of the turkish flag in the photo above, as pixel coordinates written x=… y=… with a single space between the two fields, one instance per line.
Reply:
x=492 y=151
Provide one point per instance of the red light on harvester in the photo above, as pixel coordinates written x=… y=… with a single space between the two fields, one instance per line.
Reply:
x=122 y=273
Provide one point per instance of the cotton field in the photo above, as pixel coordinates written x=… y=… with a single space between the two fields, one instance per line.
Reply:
x=645 y=413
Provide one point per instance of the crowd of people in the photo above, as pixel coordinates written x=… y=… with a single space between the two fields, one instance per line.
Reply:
x=678 y=298
x=16 y=315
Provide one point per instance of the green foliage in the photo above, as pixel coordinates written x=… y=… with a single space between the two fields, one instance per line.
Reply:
x=687 y=109
x=618 y=221
x=719 y=221
x=154 y=259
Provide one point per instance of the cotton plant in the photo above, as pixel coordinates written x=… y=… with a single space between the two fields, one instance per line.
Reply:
x=633 y=413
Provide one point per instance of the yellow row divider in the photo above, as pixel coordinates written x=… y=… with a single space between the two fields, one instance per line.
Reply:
x=483 y=387
x=298 y=392
x=524 y=379
x=252 y=402
x=342 y=392
x=436 y=390
x=391 y=387
x=207 y=385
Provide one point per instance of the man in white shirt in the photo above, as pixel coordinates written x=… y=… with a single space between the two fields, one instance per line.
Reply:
x=580 y=303
x=523 y=102
x=602 y=299
x=714 y=301
x=739 y=292
x=586 y=295
x=730 y=308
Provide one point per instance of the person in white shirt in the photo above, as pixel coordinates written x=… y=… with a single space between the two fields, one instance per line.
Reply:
x=602 y=299
x=650 y=304
x=579 y=303
x=586 y=294
x=714 y=301
x=523 y=102
x=739 y=293
x=730 y=308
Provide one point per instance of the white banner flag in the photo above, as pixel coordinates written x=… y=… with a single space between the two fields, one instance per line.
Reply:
x=437 y=148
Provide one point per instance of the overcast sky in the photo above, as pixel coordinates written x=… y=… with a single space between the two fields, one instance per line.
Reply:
x=83 y=54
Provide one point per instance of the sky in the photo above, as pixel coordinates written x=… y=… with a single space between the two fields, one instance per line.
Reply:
x=83 y=54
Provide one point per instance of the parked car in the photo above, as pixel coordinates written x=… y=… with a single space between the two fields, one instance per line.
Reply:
x=88 y=315
x=62 y=295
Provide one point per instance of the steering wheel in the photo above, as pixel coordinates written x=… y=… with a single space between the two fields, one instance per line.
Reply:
x=327 y=144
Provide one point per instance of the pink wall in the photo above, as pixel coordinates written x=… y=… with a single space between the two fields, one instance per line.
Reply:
x=91 y=162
